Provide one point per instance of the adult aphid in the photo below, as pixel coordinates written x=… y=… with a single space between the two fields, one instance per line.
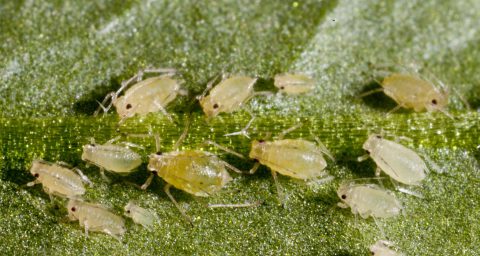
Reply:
x=140 y=215
x=197 y=172
x=94 y=217
x=58 y=179
x=383 y=248
x=368 y=200
x=397 y=161
x=297 y=158
x=293 y=83
x=150 y=95
x=229 y=96
x=413 y=92
x=111 y=157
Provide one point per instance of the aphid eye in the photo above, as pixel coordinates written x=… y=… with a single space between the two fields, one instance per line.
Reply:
x=36 y=175
x=434 y=102
x=92 y=145
x=372 y=252
x=379 y=137
x=344 y=196
x=261 y=141
x=73 y=209
x=368 y=151
x=129 y=106
x=159 y=153
x=215 y=105
x=128 y=211
x=282 y=87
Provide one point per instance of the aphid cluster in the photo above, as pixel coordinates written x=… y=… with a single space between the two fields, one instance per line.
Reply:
x=202 y=173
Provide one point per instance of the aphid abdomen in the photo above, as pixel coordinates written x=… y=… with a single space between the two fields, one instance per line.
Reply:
x=408 y=91
x=195 y=172
x=293 y=83
x=296 y=158
x=399 y=162
x=112 y=158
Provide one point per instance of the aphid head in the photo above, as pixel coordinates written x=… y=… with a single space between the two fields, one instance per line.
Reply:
x=36 y=167
x=72 y=208
x=156 y=162
x=343 y=192
x=124 y=108
x=436 y=100
x=128 y=209
x=257 y=150
x=372 y=142
x=211 y=108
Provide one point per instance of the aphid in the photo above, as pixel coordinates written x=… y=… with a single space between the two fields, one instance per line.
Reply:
x=57 y=179
x=229 y=96
x=382 y=248
x=110 y=157
x=140 y=215
x=94 y=217
x=293 y=83
x=297 y=158
x=412 y=92
x=197 y=172
x=368 y=200
x=150 y=95
x=397 y=161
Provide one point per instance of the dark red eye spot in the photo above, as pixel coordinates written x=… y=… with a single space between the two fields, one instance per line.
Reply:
x=261 y=141
x=159 y=153
x=129 y=106
x=36 y=175
x=215 y=105
x=368 y=151
x=128 y=211
x=434 y=102
x=344 y=196
x=73 y=209
x=379 y=137
x=282 y=87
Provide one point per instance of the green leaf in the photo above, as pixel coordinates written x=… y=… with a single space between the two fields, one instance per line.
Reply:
x=61 y=57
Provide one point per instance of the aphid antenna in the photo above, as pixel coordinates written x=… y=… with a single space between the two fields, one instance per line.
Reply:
x=462 y=99
x=445 y=112
x=370 y=92
x=83 y=176
x=165 y=71
x=410 y=192
x=291 y=129
x=182 y=137
x=111 y=96
x=244 y=205
x=324 y=149
x=212 y=143
x=432 y=164
x=244 y=131
x=354 y=181
x=208 y=87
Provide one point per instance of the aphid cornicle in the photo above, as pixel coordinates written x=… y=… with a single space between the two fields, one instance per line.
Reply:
x=293 y=83
x=368 y=200
x=94 y=217
x=58 y=180
x=110 y=157
x=397 y=161
x=297 y=158
x=150 y=95
x=382 y=248
x=140 y=215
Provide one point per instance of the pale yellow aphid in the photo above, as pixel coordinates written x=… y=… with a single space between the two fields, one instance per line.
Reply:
x=110 y=157
x=229 y=96
x=368 y=200
x=397 y=161
x=294 y=83
x=140 y=215
x=382 y=248
x=197 y=172
x=94 y=217
x=57 y=179
x=413 y=92
x=297 y=158
x=150 y=95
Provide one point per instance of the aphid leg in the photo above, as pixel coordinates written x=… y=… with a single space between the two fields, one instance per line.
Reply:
x=342 y=205
x=244 y=130
x=363 y=158
x=324 y=149
x=102 y=173
x=432 y=164
x=111 y=141
x=182 y=211
x=244 y=205
x=285 y=132
x=393 y=110
x=254 y=168
x=83 y=176
x=410 y=192
x=370 y=92
x=101 y=106
x=162 y=109
x=281 y=197
x=33 y=183
x=379 y=226
x=233 y=168
x=378 y=171
x=109 y=232
x=148 y=181
x=209 y=142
